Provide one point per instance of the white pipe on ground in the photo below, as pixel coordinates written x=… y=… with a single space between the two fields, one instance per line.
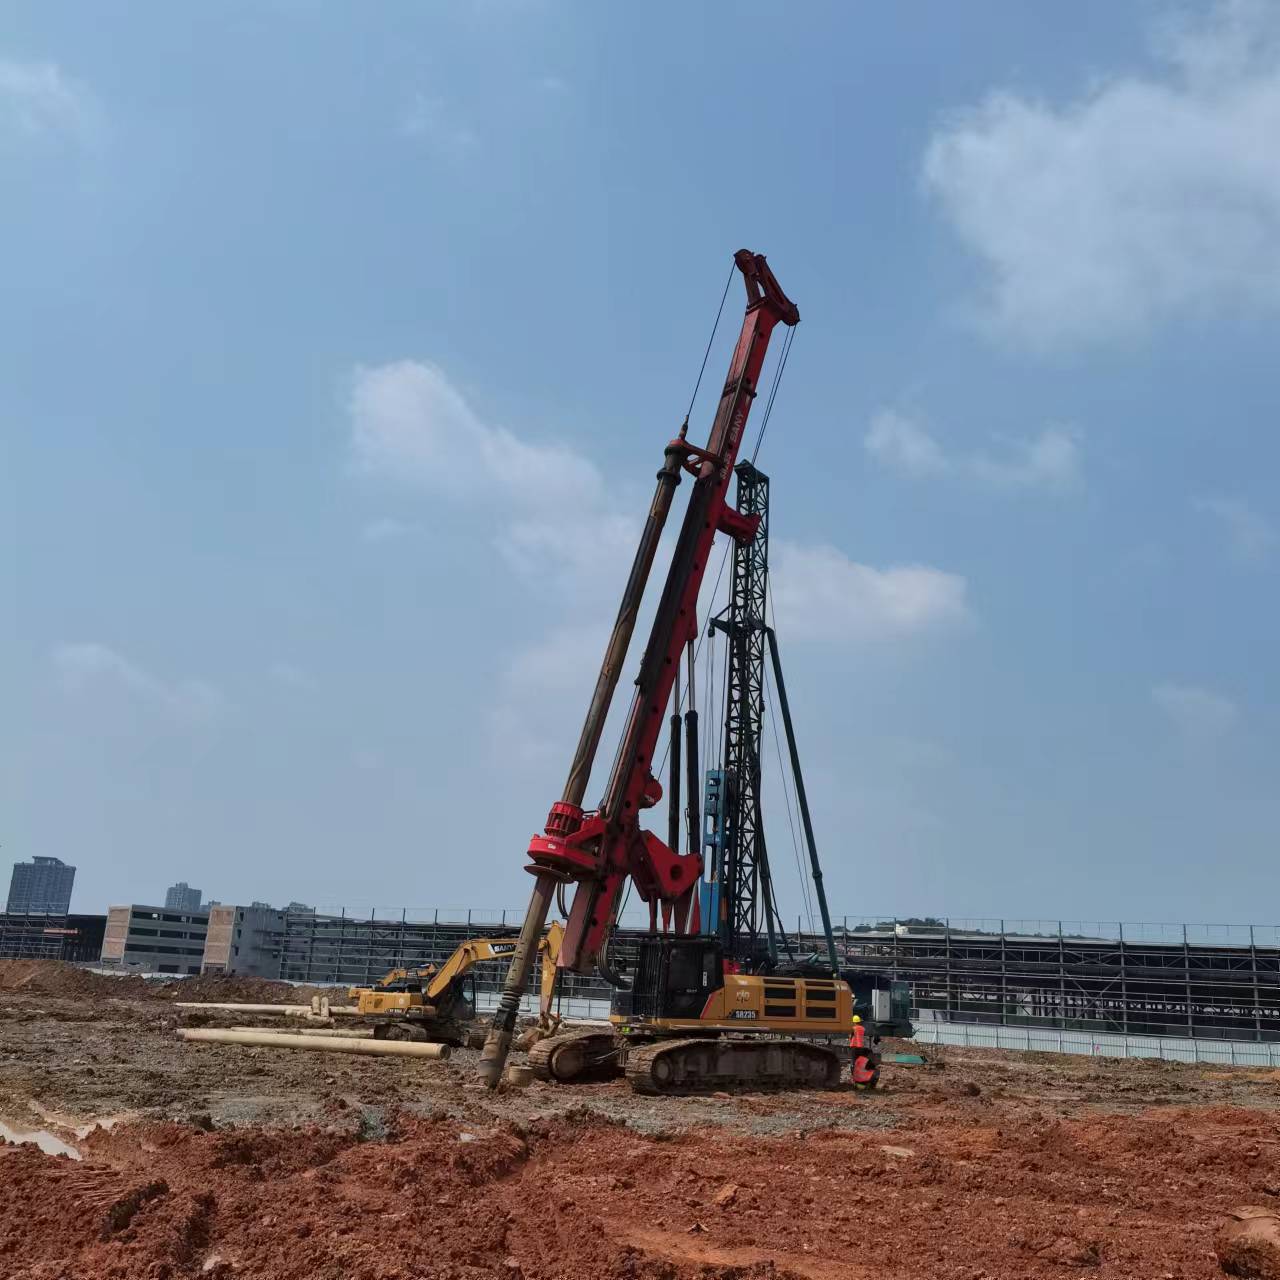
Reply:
x=345 y=1044
x=285 y=1010
x=355 y=1033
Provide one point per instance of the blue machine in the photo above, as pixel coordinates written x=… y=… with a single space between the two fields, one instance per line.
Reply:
x=717 y=817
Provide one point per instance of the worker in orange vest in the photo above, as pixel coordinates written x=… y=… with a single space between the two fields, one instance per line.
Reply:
x=865 y=1070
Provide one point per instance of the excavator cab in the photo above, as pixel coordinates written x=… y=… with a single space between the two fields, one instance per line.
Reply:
x=674 y=978
x=464 y=997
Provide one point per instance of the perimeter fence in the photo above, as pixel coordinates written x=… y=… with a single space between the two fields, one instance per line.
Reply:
x=1181 y=981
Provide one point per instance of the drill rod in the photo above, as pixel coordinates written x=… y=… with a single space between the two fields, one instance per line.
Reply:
x=673 y=786
x=498 y=1043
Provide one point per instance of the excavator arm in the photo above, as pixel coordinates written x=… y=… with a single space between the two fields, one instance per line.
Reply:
x=472 y=952
x=549 y=951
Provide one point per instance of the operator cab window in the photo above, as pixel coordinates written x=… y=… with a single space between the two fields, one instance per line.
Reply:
x=685 y=972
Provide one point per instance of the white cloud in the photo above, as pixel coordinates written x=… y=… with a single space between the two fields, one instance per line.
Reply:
x=820 y=594
x=38 y=100
x=566 y=658
x=1049 y=460
x=551 y=521
x=82 y=667
x=904 y=445
x=428 y=121
x=542 y=692
x=410 y=425
x=291 y=676
x=553 y=84
x=518 y=739
x=1199 y=715
x=1144 y=198
x=388 y=529
x=592 y=546
x=1250 y=535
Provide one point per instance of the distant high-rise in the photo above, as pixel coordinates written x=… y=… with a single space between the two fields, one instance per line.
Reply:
x=41 y=885
x=182 y=897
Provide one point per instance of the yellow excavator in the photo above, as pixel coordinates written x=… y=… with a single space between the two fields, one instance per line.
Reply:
x=438 y=1002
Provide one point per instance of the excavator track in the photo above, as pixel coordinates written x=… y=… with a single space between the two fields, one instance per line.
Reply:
x=450 y=1033
x=570 y=1056
x=724 y=1063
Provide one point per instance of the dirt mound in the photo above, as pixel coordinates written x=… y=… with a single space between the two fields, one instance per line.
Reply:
x=437 y=1201
x=221 y=987
x=55 y=978
x=575 y=1198
x=243 y=1163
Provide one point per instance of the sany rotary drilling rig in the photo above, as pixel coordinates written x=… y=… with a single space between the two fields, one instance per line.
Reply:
x=685 y=1023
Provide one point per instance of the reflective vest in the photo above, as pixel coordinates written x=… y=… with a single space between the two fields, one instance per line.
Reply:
x=861 y=1070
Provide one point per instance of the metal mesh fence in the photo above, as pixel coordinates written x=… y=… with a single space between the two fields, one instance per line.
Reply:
x=1189 y=981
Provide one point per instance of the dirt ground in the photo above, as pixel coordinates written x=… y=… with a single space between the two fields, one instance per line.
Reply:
x=219 y=1161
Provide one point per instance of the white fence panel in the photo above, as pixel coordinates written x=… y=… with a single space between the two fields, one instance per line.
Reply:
x=1101 y=1045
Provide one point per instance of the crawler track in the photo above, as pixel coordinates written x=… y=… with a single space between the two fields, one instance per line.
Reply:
x=450 y=1033
x=704 y=1065
x=575 y=1055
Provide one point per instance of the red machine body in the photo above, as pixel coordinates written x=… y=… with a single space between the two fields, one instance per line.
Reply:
x=598 y=850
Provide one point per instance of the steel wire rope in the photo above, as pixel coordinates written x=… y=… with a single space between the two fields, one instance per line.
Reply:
x=772 y=611
x=697 y=650
x=773 y=390
x=795 y=842
x=692 y=400
x=681 y=689
x=773 y=393
x=706 y=354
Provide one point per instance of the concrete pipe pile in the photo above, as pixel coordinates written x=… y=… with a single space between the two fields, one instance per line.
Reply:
x=355 y=1033
x=282 y=1010
x=344 y=1044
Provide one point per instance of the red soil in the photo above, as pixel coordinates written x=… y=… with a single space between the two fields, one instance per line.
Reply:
x=973 y=1192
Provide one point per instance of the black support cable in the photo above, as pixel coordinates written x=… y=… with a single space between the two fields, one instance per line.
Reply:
x=706 y=354
x=684 y=688
x=773 y=390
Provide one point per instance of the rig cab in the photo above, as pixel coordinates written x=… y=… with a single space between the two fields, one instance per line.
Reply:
x=674 y=978
x=682 y=987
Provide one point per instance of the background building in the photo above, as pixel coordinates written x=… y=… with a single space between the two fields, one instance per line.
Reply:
x=42 y=885
x=154 y=939
x=182 y=897
x=244 y=940
x=40 y=936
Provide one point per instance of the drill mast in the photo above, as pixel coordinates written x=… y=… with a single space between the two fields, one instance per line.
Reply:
x=740 y=905
x=736 y=833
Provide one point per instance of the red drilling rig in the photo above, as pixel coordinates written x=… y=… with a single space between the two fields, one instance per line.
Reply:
x=598 y=850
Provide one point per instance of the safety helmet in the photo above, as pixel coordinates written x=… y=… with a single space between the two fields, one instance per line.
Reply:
x=856 y=1018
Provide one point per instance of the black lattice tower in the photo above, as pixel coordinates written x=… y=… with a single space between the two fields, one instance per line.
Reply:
x=743 y=872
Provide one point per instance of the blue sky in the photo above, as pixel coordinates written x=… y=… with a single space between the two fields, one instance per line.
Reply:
x=339 y=346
